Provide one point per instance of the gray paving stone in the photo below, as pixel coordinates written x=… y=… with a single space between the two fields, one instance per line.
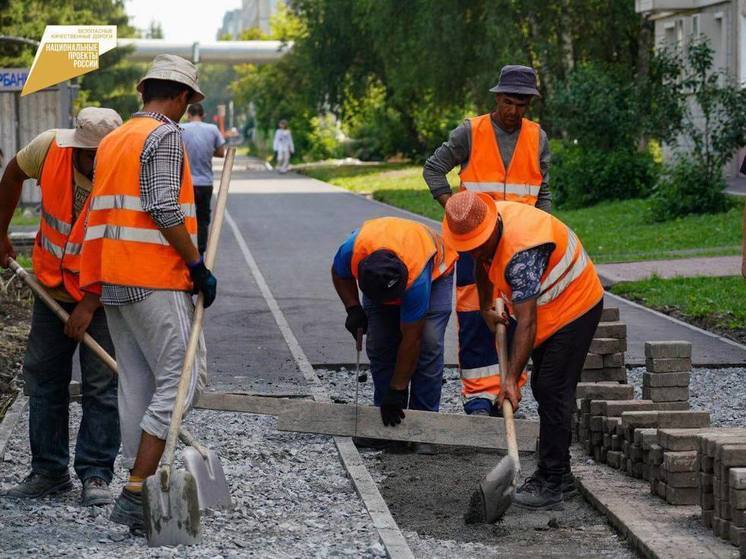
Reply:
x=668 y=349
x=674 y=365
x=664 y=380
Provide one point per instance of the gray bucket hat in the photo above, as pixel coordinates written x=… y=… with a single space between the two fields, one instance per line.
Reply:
x=517 y=79
x=92 y=124
x=176 y=69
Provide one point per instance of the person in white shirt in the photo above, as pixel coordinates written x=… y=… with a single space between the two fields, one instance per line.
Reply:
x=283 y=145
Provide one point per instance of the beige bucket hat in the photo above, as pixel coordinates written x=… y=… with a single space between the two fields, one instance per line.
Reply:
x=92 y=124
x=176 y=69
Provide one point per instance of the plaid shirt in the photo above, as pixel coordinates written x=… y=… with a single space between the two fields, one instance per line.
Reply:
x=160 y=183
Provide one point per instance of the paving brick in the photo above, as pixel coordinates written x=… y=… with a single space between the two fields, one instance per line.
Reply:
x=610 y=314
x=611 y=424
x=737 y=478
x=660 y=489
x=614 y=458
x=738 y=517
x=666 y=394
x=683 y=419
x=707 y=518
x=613 y=360
x=722 y=528
x=616 y=442
x=638 y=419
x=732 y=455
x=661 y=380
x=655 y=455
x=708 y=442
x=680 y=439
x=614 y=408
x=597 y=423
x=604 y=391
x=598 y=454
x=737 y=498
x=585 y=404
x=605 y=346
x=736 y=535
x=607 y=441
x=596 y=438
x=616 y=330
x=606 y=374
x=645 y=435
x=705 y=482
x=680 y=461
x=706 y=501
x=593 y=361
x=625 y=448
x=668 y=349
x=682 y=495
x=680 y=479
x=724 y=510
x=675 y=365
x=706 y=464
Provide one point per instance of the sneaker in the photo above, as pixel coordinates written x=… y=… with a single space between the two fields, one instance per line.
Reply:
x=128 y=510
x=37 y=485
x=537 y=493
x=425 y=449
x=95 y=493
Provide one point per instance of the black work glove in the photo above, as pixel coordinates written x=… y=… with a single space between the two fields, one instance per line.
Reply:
x=203 y=281
x=356 y=319
x=392 y=406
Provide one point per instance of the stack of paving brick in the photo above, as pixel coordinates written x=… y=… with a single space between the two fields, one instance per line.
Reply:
x=722 y=483
x=605 y=359
x=669 y=366
x=590 y=424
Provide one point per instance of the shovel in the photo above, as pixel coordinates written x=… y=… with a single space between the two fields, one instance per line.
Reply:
x=201 y=462
x=170 y=497
x=495 y=492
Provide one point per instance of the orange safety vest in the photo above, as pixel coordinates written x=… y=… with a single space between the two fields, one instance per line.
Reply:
x=56 y=254
x=123 y=245
x=485 y=171
x=412 y=242
x=570 y=286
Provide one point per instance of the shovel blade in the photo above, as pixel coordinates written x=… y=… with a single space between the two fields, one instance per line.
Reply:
x=497 y=489
x=212 y=488
x=171 y=517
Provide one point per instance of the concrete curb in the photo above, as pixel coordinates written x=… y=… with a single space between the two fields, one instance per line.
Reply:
x=8 y=425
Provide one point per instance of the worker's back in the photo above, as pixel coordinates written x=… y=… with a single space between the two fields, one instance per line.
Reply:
x=201 y=139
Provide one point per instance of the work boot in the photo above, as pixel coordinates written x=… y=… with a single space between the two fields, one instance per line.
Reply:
x=95 y=493
x=38 y=485
x=538 y=493
x=128 y=511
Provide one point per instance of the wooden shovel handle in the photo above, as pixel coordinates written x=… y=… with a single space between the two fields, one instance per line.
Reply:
x=199 y=313
x=42 y=293
x=501 y=341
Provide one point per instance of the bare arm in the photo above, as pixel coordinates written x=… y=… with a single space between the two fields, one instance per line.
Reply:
x=10 y=192
x=408 y=354
x=179 y=238
x=219 y=152
x=346 y=289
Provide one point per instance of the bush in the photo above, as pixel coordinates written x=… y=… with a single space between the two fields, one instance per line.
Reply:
x=687 y=188
x=581 y=177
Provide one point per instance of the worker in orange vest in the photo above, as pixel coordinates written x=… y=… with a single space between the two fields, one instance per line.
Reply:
x=539 y=264
x=62 y=161
x=405 y=272
x=140 y=247
x=507 y=156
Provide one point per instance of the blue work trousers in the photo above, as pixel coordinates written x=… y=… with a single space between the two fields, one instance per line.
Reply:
x=47 y=370
x=382 y=346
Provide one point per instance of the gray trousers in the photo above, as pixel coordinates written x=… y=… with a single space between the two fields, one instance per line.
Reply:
x=150 y=338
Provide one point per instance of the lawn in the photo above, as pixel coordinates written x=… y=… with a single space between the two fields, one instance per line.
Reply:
x=20 y=219
x=611 y=232
x=717 y=304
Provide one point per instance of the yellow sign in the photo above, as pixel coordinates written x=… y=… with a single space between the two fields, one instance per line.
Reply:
x=68 y=51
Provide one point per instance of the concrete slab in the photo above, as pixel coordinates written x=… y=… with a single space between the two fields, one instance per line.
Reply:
x=710 y=266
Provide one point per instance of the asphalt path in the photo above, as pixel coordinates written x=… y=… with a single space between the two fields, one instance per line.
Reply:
x=293 y=225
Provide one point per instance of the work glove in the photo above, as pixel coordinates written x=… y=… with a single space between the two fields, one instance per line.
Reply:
x=392 y=406
x=203 y=281
x=356 y=319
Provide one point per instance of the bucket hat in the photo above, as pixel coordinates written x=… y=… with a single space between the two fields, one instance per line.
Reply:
x=382 y=276
x=469 y=221
x=92 y=124
x=517 y=79
x=176 y=69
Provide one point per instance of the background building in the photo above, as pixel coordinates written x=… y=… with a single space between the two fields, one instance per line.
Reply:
x=252 y=14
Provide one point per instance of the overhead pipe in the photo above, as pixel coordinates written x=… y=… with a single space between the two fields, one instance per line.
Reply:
x=218 y=52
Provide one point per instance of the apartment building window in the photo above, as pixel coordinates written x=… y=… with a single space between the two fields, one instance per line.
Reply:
x=680 y=33
x=695 y=26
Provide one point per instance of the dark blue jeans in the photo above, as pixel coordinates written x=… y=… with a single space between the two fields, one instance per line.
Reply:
x=382 y=345
x=47 y=370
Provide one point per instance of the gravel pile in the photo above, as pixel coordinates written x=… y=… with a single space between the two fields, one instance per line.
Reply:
x=291 y=499
x=719 y=391
x=341 y=386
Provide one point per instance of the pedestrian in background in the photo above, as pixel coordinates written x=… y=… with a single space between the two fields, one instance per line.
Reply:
x=62 y=162
x=202 y=141
x=283 y=145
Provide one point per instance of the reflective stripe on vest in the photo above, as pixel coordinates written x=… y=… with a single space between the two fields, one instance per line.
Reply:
x=503 y=187
x=49 y=246
x=62 y=227
x=480 y=372
x=122 y=233
x=484 y=395
x=440 y=251
x=125 y=202
x=573 y=273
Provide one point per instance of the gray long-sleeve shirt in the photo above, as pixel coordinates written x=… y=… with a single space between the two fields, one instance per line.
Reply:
x=456 y=152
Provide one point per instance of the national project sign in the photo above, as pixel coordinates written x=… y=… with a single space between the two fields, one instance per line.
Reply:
x=13 y=79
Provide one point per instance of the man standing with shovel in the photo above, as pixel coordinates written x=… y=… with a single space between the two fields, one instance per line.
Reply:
x=62 y=162
x=540 y=265
x=140 y=247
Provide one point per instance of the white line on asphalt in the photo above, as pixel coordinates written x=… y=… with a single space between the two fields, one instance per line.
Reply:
x=392 y=538
x=677 y=321
x=8 y=424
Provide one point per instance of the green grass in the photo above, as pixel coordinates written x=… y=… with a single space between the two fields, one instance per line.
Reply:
x=24 y=261
x=712 y=303
x=611 y=232
x=19 y=219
